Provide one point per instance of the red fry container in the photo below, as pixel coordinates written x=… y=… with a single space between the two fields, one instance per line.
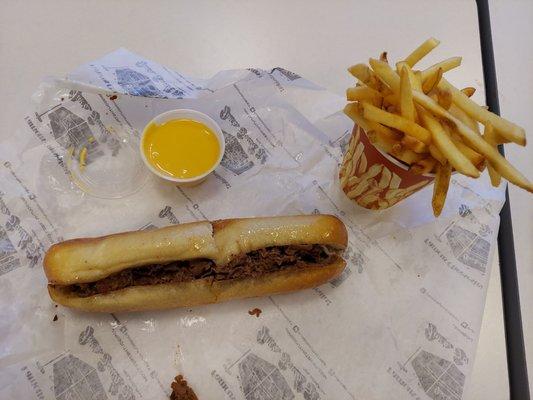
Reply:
x=374 y=179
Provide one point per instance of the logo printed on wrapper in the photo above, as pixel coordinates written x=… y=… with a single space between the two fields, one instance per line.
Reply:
x=223 y=384
x=8 y=254
x=33 y=382
x=439 y=378
x=468 y=247
x=432 y=333
x=166 y=213
x=75 y=379
x=105 y=364
x=291 y=76
x=300 y=382
x=169 y=90
x=236 y=159
x=260 y=380
x=26 y=242
x=136 y=83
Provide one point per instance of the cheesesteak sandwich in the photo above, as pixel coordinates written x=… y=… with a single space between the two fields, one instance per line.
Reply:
x=196 y=263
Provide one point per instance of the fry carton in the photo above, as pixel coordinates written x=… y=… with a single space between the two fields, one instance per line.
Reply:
x=374 y=179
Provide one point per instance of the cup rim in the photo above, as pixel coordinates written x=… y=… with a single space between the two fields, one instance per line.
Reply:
x=394 y=160
x=184 y=113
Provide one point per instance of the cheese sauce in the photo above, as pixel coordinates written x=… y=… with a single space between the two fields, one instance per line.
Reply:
x=181 y=148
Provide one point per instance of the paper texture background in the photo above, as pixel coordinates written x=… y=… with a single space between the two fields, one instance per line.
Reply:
x=401 y=322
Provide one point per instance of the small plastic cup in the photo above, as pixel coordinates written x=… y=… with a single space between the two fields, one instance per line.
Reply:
x=195 y=116
x=374 y=179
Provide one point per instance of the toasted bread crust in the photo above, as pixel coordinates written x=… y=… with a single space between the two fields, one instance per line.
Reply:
x=239 y=236
x=91 y=259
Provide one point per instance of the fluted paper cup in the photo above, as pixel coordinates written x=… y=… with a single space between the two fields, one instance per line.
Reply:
x=374 y=179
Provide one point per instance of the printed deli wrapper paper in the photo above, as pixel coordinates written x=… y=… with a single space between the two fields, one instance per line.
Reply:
x=373 y=179
x=391 y=326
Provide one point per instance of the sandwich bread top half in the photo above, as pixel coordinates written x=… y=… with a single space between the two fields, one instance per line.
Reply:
x=87 y=260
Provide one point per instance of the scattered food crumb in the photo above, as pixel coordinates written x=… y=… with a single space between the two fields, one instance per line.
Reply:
x=181 y=390
x=256 y=311
x=55 y=305
x=62 y=98
x=55 y=318
x=418 y=275
x=114 y=97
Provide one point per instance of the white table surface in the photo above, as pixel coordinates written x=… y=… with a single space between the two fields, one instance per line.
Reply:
x=317 y=41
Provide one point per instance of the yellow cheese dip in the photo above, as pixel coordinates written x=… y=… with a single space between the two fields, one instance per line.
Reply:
x=181 y=148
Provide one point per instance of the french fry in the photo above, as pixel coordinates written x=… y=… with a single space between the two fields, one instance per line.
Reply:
x=440 y=188
x=496 y=138
x=391 y=99
x=489 y=135
x=393 y=147
x=373 y=113
x=413 y=79
x=444 y=98
x=445 y=65
x=384 y=139
x=353 y=111
x=396 y=149
x=365 y=76
x=432 y=80
x=361 y=72
x=386 y=74
x=464 y=117
x=474 y=157
x=443 y=142
x=407 y=106
x=392 y=109
x=437 y=154
x=421 y=51
x=418 y=76
x=505 y=128
x=468 y=91
x=411 y=143
x=360 y=93
x=499 y=163
x=423 y=166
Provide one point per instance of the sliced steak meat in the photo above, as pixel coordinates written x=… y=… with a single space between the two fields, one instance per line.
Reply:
x=179 y=271
x=252 y=264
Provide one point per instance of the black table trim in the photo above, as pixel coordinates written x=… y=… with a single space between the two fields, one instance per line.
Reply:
x=514 y=338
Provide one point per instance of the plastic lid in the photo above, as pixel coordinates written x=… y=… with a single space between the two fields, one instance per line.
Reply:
x=108 y=167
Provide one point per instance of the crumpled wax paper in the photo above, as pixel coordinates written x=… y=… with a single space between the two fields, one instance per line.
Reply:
x=402 y=321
